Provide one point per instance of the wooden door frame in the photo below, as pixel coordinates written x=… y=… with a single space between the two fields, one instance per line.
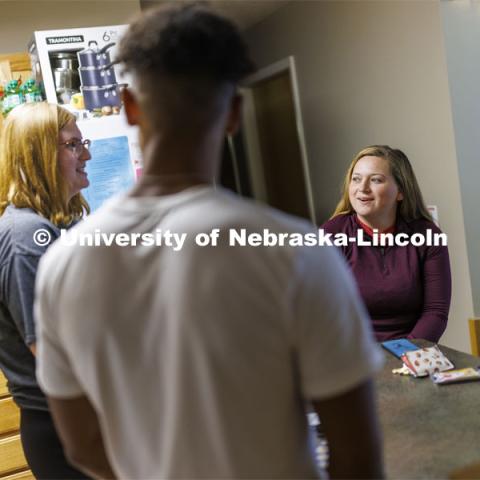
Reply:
x=252 y=145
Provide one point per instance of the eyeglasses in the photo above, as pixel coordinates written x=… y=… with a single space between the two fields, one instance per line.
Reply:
x=77 y=145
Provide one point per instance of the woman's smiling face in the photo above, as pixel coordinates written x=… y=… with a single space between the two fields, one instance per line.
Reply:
x=71 y=163
x=373 y=192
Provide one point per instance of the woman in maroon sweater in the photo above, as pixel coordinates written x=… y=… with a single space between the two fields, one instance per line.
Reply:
x=406 y=289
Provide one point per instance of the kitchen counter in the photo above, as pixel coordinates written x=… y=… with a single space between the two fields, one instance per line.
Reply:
x=429 y=430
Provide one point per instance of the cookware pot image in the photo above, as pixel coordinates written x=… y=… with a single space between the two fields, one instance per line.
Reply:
x=66 y=60
x=98 y=97
x=66 y=78
x=97 y=77
x=94 y=57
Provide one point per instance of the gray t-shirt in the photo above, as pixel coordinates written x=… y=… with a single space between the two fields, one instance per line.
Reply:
x=19 y=257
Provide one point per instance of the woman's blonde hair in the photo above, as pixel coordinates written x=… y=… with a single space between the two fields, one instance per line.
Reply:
x=30 y=176
x=412 y=206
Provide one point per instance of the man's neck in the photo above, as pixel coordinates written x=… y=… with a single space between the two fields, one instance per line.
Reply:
x=175 y=164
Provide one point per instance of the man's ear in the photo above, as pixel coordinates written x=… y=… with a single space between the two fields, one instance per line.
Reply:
x=235 y=115
x=132 y=109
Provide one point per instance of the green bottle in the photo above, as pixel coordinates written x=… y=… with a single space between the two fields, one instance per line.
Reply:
x=13 y=96
x=28 y=90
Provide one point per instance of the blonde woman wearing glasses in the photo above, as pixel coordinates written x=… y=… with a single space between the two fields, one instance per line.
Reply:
x=42 y=171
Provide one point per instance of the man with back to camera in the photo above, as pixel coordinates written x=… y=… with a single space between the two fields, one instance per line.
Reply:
x=201 y=362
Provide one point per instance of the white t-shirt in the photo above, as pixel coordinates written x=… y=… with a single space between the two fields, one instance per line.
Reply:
x=199 y=361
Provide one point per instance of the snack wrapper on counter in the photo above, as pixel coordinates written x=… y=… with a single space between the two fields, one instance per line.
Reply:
x=426 y=361
x=456 y=376
x=399 y=346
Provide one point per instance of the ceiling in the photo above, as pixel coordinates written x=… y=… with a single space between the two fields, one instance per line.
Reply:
x=244 y=12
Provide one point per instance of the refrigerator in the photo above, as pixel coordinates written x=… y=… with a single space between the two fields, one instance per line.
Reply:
x=74 y=68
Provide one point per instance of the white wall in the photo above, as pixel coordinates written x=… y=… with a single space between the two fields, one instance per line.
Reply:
x=375 y=72
x=19 y=19
x=461 y=20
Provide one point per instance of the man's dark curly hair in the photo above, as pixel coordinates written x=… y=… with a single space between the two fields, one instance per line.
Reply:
x=188 y=41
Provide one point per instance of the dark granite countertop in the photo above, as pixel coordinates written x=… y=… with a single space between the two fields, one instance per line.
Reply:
x=429 y=430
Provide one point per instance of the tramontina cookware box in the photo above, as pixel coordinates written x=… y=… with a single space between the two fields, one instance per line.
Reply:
x=75 y=68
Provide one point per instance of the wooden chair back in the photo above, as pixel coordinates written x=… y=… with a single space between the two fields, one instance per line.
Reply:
x=474 y=329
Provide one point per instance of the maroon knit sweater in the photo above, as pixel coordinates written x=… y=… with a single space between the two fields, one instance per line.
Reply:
x=407 y=289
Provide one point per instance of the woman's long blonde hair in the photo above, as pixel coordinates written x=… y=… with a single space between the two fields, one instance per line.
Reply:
x=412 y=207
x=29 y=173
